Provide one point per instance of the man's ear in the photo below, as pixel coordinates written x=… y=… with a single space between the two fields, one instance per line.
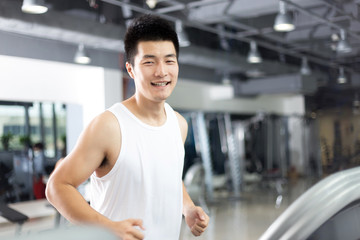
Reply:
x=129 y=69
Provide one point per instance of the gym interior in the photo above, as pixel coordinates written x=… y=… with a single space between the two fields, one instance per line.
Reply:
x=273 y=143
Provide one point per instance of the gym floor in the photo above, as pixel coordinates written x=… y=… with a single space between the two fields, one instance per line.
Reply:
x=245 y=217
x=249 y=216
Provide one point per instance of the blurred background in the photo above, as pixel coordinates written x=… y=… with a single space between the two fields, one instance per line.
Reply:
x=270 y=90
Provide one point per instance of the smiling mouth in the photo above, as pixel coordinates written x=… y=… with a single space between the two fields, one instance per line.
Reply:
x=161 y=84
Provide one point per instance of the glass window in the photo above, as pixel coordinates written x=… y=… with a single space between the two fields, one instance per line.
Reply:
x=47 y=125
x=35 y=123
x=48 y=130
x=60 y=111
x=23 y=123
x=12 y=126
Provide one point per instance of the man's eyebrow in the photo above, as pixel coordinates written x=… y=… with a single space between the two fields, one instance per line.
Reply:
x=153 y=56
x=171 y=55
x=148 y=56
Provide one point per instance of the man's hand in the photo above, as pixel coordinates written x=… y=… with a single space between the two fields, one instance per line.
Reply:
x=127 y=229
x=197 y=220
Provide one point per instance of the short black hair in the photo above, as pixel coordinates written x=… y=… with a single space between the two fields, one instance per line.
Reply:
x=148 y=28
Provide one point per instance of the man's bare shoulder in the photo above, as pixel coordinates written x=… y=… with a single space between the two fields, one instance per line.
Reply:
x=180 y=118
x=183 y=125
x=106 y=121
x=101 y=131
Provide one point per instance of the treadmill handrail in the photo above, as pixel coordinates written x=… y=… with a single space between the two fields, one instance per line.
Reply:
x=316 y=206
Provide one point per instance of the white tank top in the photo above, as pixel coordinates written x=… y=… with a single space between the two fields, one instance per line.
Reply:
x=146 y=180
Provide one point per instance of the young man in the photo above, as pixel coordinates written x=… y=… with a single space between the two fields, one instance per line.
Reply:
x=134 y=151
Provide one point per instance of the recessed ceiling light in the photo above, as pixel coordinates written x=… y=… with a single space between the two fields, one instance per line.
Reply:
x=34 y=6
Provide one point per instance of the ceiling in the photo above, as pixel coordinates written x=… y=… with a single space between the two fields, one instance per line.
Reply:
x=220 y=32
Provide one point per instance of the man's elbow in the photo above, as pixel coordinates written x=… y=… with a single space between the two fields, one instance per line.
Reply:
x=50 y=190
x=51 y=186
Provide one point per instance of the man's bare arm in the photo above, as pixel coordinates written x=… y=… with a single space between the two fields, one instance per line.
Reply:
x=100 y=140
x=77 y=167
x=195 y=217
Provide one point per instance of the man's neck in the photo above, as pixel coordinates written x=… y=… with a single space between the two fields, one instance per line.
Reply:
x=152 y=113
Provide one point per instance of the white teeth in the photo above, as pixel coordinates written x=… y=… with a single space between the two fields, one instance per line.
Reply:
x=160 y=84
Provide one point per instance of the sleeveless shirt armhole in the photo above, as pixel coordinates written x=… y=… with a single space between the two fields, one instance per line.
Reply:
x=169 y=109
x=114 y=109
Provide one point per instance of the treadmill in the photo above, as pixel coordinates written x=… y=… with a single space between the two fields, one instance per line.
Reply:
x=329 y=210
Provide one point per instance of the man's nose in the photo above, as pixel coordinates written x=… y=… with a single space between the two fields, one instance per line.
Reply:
x=161 y=70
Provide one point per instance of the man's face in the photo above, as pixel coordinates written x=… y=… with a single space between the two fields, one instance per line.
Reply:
x=155 y=70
